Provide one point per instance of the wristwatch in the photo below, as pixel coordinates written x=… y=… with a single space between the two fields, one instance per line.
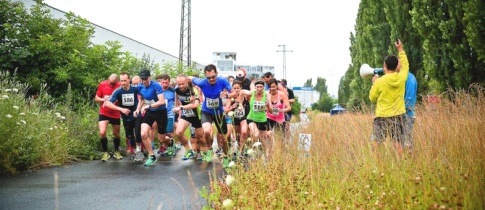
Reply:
x=181 y=108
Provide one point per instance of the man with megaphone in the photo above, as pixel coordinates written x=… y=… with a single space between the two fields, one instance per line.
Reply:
x=388 y=94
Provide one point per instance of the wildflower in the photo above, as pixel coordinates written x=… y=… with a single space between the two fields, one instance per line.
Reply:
x=8 y=116
x=23 y=121
x=230 y=114
x=231 y=164
x=4 y=97
x=50 y=128
x=15 y=90
x=229 y=180
x=250 y=151
x=18 y=123
x=249 y=140
x=227 y=204
x=55 y=126
x=16 y=107
x=22 y=114
x=8 y=90
x=57 y=114
x=257 y=144
x=442 y=189
x=35 y=113
x=63 y=118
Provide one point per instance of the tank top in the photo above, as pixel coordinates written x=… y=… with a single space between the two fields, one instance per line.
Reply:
x=257 y=109
x=276 y=115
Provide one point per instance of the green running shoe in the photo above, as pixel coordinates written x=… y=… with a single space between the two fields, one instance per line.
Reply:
x=106 y=157
x=189 y=154
x=117 y=155
x=151 y=160
x=208 y=156
x=225 y=162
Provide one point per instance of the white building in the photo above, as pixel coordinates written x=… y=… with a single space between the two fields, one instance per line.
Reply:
x=226 y=63
x=306 y=95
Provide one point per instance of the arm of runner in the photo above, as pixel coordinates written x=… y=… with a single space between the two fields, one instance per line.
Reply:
x=286 y=102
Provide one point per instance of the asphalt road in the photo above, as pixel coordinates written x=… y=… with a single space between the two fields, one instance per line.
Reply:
x=114 y=184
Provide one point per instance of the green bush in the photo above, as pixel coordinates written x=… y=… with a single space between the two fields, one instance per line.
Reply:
x=38 y=133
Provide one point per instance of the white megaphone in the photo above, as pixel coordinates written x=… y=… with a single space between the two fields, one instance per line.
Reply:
x=366 y=71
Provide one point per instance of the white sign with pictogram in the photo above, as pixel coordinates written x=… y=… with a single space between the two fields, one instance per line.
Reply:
x=305 y=141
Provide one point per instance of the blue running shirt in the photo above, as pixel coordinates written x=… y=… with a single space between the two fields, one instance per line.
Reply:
x=150 y=94
x=169 y=95
x=212 y=101
x=126 y=99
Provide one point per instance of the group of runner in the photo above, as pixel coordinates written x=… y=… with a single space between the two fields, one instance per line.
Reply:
x=239 y=109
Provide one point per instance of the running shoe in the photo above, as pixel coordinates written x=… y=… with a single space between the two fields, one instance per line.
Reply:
x=139 y=156
x=199 y=156
x=225 y=162
x=162 y=150
x=208 y=156
x=130 y=150
x=189 y=154
x=152 y=159
x=117 y=155
x=170 y=149
x=106 y=156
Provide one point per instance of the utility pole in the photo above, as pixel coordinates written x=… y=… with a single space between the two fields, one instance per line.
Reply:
x=284 y=58
x=185 y=47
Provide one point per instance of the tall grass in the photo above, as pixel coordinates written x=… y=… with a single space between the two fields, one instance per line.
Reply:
x=342 y=171
x=37 y=133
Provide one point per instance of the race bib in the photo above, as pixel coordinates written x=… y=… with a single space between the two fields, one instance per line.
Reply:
x=276 y=111
x=188 y=113
x=239 y=113
x=212 y=103
x=259 y=106
x=128 y=99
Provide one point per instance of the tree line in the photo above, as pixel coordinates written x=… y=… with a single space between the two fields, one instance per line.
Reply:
x=444 y=41
x=42 y=51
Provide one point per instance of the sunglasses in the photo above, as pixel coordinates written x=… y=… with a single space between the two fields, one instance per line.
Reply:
x=212 y=77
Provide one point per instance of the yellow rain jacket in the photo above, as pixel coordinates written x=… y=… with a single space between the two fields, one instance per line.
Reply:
x=388 y=91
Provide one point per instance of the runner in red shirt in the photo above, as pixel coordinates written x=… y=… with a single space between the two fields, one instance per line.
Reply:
x=108 y=116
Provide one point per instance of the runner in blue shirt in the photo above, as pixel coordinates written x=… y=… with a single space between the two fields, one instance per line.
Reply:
x=153 y=107
x=212 y=109
x=127 y=97
x=409 y=101
x=167 y=145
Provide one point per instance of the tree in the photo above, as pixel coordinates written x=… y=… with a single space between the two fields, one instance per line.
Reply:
x=308 y=83
x=321 y=86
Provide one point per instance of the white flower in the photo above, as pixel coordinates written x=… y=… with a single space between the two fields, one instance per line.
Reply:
x=229 y=180
x=22 y=114
x=227 y=204
x=18 y=123
x=8 y=116
x=4 y=97
x=231 y=164
x=63 y=118
x=250 y=151
x=257 y=144
x=50 y=128
x=57 y=114
x=35 y=113
x=16 y=107
x=23 y=121
x=8 y=90
x=230 y=114
x=15 y=90
x=249 y=140
x=55 y=126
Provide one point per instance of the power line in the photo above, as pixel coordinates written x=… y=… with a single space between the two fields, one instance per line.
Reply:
x=284 y=58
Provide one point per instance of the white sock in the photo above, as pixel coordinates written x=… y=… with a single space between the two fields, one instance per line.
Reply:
x=138 y=148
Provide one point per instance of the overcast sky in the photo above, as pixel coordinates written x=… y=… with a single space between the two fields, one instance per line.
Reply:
x=317 y=31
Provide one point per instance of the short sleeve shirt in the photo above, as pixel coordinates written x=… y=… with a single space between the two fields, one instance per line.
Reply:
x=106 y=89
x=126 y=99
x=169 y=95
x=150 y=94
x=212 y=102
